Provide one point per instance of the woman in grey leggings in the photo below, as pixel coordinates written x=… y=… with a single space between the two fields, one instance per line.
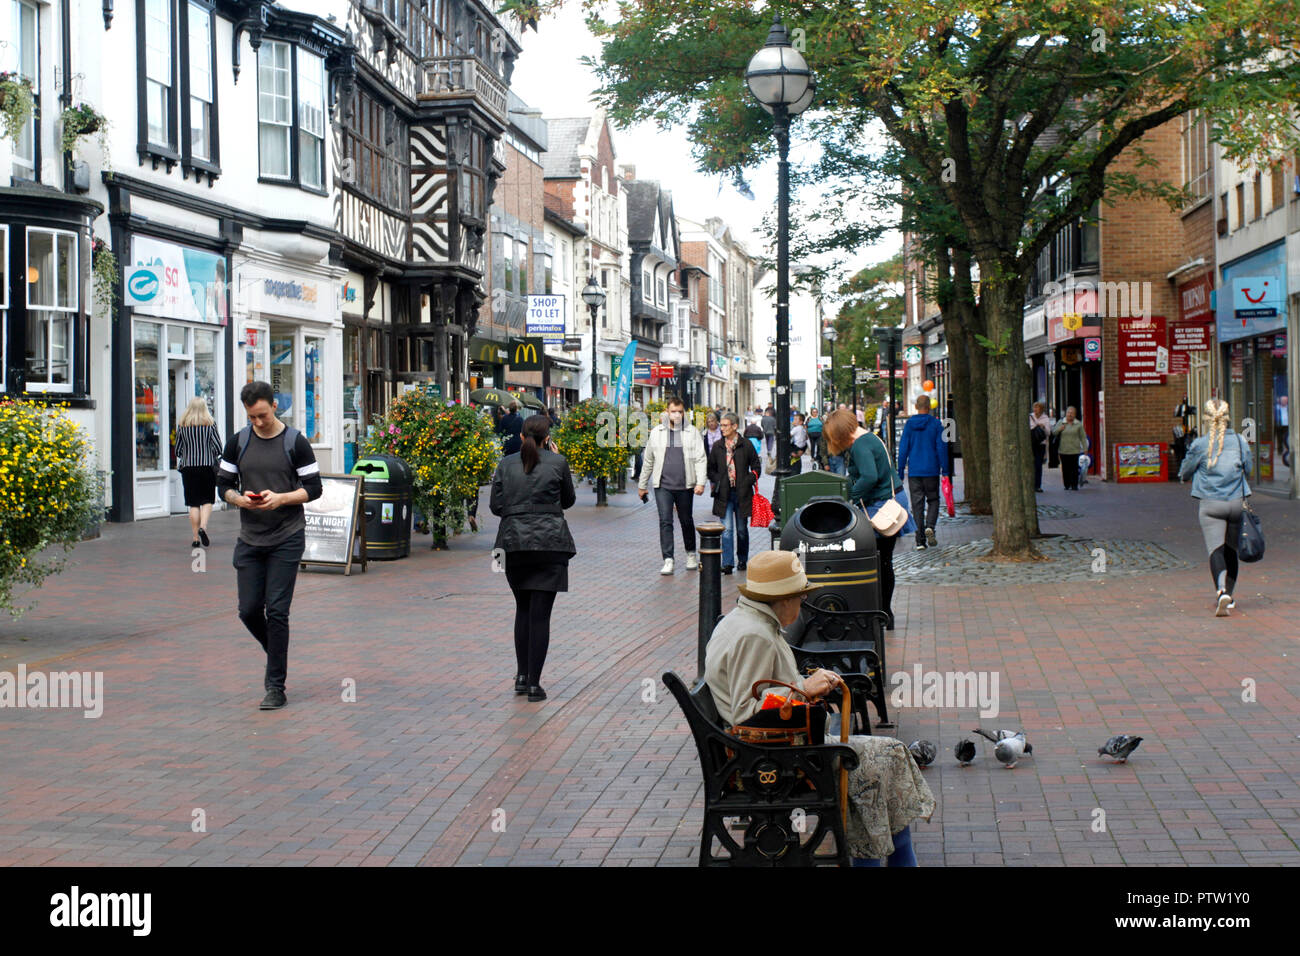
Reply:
x=1218 y=463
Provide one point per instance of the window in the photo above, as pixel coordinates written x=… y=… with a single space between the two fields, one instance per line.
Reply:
x=1257 y=195
x=508 y=248
x=4 y=306
x=158 y=71
x=314 y=389
x=375 y=150
x=1241 y=205
x=548 y=274
x=1196 y=154
x=52 y=304
x=311 y=120
x=522 y=258
x=662 y=295
x=201 y=87
x=647 y=285
x=25 y=61
x=1278 y=178
x=275 y=108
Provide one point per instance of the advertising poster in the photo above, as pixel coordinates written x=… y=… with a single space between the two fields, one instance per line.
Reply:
x=175 y=282
x=545 y=317
x=332 y=521
x=1140 y=461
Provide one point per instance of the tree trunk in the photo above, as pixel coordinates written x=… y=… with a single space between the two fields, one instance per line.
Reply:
x=1002 y=303
x=975 y=453
x=1027 y=455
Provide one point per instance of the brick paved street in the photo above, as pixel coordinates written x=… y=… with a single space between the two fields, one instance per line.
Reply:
x=412 y=772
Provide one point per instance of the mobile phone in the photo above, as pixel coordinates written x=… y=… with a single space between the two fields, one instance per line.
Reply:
x=253 y=496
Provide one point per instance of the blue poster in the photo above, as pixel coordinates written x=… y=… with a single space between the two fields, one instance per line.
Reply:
x=624 y=391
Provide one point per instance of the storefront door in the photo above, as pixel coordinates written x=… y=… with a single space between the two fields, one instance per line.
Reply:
x=1258 y=399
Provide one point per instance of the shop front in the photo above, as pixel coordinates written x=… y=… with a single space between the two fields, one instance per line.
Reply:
x=179 y=340
x=290 y=333
x=367 y=351
x=1191 y=345
x=1251 y=326
x=1074 y=374
x=487 y=362
x=562 y=378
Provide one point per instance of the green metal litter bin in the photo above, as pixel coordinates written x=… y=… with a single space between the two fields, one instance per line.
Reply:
x=797 y=490
x=388 y=489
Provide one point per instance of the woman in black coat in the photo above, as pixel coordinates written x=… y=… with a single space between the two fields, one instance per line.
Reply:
x=734 y=467
x=530 y=491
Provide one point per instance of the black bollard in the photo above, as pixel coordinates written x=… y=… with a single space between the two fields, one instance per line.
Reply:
x=710 y=584
x=600 y=492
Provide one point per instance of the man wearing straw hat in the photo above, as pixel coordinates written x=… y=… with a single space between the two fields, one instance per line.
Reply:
x=886 y=791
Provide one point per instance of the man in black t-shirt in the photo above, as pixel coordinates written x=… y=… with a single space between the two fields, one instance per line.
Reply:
x=277 y=471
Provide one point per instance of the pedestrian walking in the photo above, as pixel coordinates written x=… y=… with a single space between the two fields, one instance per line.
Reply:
x=798 y=441
x=815 y=447
x=1040 y=428
x=769 y=431
x=872 y=481
x=1217 y=464
x=268 y=471
x=530 y=491
x=754 y=434
x=1282 y=425
x=676 y=465
x=509 y=428
x=1073 y=443
x=923 y=458
x=198 y=449
x=712 y=430
x=734 y=467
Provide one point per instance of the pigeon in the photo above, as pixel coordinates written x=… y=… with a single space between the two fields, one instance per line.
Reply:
x=1010 y=745
x=964 y=752
x=923 y=752
x=1119 y=747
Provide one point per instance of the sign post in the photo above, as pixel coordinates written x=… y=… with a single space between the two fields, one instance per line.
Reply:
x=334 y=524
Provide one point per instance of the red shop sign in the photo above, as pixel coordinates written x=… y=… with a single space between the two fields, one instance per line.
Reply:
x=1139 y=343
x=1191 y=336
x=1194 y=299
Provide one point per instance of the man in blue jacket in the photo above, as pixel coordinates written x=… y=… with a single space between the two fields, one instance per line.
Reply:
x=923 y=457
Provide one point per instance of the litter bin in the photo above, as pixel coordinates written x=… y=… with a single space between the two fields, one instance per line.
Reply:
x=388 y=492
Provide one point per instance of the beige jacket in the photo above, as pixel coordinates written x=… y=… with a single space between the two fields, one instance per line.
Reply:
x=747 y=646
x=652 y=461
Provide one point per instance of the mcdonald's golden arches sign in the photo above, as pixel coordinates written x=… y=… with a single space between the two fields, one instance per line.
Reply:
x=526 y=354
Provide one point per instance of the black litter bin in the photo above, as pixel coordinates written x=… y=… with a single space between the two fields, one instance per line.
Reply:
x=389 y=486
x=841 y=626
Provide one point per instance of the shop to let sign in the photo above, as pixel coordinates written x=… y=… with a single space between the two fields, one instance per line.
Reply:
x=1141 y=342
x=545 y=318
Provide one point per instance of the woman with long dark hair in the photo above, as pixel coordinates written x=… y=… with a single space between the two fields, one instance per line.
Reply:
x=530 y=491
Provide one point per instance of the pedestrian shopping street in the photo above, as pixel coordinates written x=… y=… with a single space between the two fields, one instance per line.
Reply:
x=437 y=762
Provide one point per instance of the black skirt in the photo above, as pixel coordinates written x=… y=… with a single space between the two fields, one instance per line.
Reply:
x=200 y=484
x=537 y=570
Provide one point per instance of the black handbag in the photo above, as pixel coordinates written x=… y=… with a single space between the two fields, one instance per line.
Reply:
x=1250 y=543
x=795 y=724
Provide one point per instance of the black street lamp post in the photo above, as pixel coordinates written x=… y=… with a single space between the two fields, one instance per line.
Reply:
x=779 y=78
x=830 y=336
x=594 y=296
x=891 y=339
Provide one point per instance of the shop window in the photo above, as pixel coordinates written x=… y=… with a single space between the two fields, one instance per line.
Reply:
x=206 y=371
x=522 y=250
x=25 y=61
x=314 y=389
x=4 y=308
x=52 y=306
x=283 y=370
x=291 y=115
x=148 y=397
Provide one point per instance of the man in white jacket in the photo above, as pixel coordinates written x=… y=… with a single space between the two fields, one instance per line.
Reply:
x=676 y=465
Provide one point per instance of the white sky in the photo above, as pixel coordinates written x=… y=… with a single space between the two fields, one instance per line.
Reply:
x=549 y=77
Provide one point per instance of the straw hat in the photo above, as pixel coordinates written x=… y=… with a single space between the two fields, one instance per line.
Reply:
x=773 y=575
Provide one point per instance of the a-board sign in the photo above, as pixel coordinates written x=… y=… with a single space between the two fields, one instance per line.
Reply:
x=332 y=522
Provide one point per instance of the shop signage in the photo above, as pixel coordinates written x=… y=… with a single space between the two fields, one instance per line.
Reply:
x=1144 y=461
x=643 y=371
x=352 y=295
x=175 y=282
x=572 y=343
x=1194 y=299
x=332 y=523
x=1180 y=363
x=487 y=351
x=1092 y=349
x=1034 y=324
x=912 y=355
x=261 y=289
x=1072 y=321
x=1252 y=298
x=526 y=354
x=1140 y=343
x=1190 y=336
x=545 y=317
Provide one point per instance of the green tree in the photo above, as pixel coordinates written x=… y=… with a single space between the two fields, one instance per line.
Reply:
x=1013 y=112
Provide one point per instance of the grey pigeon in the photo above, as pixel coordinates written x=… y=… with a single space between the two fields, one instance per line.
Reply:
x=1119 y=747
x=1010 y=745
x=923 y=752
x=964 y=752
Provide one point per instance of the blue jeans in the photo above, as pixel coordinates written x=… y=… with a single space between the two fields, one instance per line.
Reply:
x=836 y=464
x=902 y=855
x=735 y=532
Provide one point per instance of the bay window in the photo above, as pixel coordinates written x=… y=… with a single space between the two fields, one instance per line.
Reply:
x=53 y=303
x=291 y=115
x=176 y=59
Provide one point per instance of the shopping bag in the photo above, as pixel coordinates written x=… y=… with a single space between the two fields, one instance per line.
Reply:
x=1250 y=547
x=761 y=514
x=945 y=489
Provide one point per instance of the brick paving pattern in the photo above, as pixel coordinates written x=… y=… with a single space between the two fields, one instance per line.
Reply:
x=1069 y=559
x=437 y=762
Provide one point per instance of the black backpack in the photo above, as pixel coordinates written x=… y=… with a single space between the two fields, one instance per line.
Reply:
x=290 y=439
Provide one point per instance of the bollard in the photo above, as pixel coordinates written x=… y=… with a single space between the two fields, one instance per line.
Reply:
x=710 y=584
x=601 y=502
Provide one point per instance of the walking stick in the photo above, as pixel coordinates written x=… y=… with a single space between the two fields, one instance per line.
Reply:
x=846 y=714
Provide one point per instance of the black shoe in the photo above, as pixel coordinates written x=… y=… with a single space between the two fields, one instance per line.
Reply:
x=203 y=536
x=273 y=700
x=727 y=569
x=521 y=683
x=889 y=624
x=194 y=543
x=535 y=694
x=741 y=566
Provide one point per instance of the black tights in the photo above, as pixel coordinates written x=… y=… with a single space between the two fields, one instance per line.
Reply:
x=1223 y=567
x=532 y=632
x=885 y=548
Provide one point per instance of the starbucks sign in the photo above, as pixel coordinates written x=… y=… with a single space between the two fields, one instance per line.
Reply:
x=912 y=355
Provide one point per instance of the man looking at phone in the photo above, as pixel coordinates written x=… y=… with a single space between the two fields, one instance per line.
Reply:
x=269 y=472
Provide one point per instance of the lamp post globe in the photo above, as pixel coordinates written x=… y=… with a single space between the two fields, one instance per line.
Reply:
x=780 y=80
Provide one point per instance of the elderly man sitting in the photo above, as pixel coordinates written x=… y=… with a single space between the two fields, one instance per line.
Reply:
x=886 y=791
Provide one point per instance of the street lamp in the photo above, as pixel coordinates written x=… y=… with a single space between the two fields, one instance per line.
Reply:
x=830 y=336
x=594 y=296
x=779 y=78
x=771 y=357
x=891 y=339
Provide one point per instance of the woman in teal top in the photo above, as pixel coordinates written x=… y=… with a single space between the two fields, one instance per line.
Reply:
x=872 y=482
